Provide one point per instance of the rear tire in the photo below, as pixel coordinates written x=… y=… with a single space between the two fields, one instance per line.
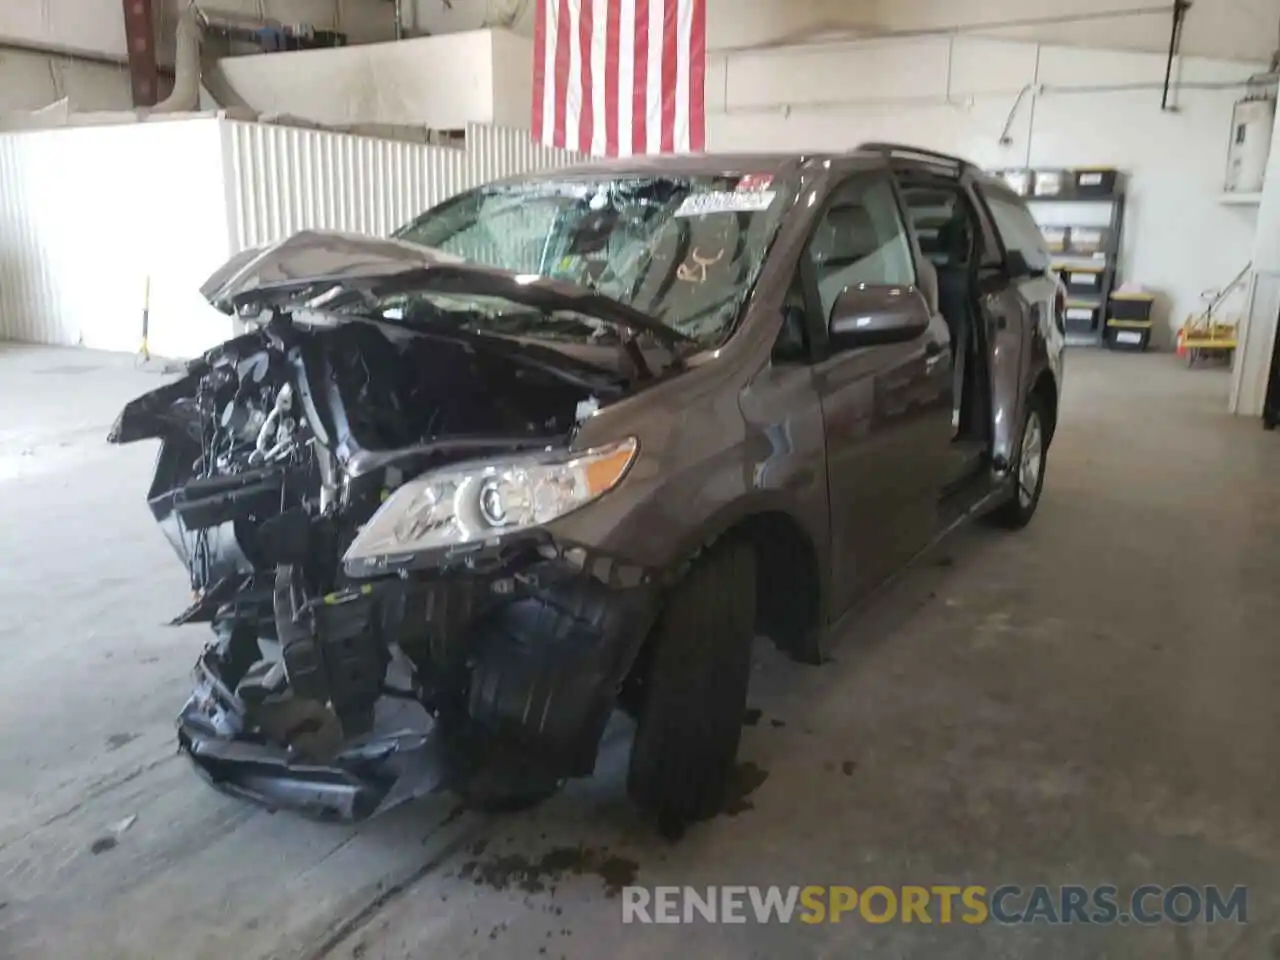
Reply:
x=695 y=690
x=1028 y=475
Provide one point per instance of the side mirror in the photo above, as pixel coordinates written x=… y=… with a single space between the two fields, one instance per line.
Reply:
x=872 y=314
x=1015 y=264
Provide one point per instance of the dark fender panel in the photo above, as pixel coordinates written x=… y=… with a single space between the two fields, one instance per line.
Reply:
x=548 y=664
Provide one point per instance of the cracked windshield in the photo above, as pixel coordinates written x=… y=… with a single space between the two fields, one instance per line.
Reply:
x=684 y=251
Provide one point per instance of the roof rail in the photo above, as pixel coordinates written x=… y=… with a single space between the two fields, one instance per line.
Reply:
x=907 y=152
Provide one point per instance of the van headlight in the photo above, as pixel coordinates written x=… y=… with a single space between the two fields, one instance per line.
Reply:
x=479 y=502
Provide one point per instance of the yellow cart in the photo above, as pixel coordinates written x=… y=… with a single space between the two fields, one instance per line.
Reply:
x=1199 y=341
x=1209 y=335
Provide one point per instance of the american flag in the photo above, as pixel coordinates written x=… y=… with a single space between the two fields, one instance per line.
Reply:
x=620 y=77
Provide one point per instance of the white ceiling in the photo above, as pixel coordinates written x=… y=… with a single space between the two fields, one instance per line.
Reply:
x=1228 y=29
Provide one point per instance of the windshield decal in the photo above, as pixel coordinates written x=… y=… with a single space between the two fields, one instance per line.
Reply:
x=735 y=201
x=697 y=272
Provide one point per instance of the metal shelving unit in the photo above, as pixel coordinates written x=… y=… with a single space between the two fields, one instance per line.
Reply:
x=1081 y=213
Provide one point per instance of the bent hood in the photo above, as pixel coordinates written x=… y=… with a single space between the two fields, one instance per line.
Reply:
x=294 y=268
x=314 y=255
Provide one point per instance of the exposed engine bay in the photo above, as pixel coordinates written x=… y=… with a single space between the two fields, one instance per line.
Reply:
x=339 y=689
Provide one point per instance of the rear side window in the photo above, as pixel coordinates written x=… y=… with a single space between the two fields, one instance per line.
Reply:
x=1018 y=230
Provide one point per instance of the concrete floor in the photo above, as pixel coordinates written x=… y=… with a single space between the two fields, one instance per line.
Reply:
x=1093 y=700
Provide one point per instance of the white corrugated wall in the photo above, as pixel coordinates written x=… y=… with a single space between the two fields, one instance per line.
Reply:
x=285 y=179
x=89 y=214
x=28 y=294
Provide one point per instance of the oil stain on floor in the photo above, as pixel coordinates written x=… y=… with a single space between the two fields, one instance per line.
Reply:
x=517 y=871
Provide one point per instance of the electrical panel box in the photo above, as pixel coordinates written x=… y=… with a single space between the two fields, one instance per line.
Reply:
x=1251 y=123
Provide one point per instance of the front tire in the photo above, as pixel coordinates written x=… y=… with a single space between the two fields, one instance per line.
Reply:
x=695 y=690
x=1033 y=454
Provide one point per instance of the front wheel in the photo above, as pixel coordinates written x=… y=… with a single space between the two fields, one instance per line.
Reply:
x=695 y=690
x=1033 y=453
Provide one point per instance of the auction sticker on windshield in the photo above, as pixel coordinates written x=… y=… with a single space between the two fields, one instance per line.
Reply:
x=732 y=201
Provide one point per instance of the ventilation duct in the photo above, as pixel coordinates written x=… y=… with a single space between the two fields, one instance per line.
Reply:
x=186 y=65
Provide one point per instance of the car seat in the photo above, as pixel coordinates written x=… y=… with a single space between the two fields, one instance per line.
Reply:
x=850 y=249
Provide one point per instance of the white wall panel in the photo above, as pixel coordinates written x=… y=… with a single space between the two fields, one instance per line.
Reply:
x=95 y=26
x=1252 y=365
x=1073 y=67
x=512 y=80
x=88 y=214
x=284 y=179
x=991 y=66
x=972 y=129
x=734 y=23
x=821 y=74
